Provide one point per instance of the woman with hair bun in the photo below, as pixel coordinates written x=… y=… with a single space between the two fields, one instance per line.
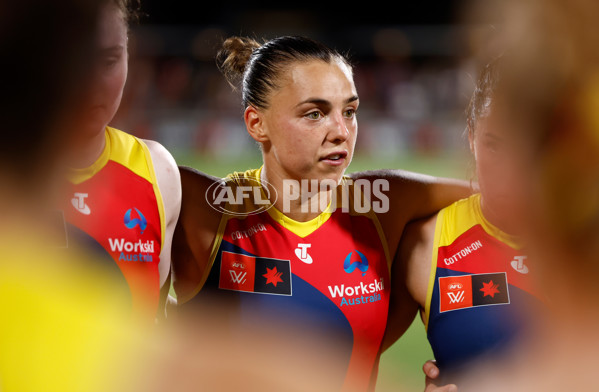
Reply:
x=296 y=247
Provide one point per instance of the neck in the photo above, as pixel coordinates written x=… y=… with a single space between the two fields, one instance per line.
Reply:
x=500 y=219
x=300 y=200
x=88 y=151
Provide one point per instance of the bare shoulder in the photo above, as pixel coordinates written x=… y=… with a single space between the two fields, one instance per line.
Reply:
x=167 y=177
x=195 y=183
x=160 y=155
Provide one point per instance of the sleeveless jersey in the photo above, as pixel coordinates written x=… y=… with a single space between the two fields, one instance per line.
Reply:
x=326 y=279
x=116 y=203
x=479 y=285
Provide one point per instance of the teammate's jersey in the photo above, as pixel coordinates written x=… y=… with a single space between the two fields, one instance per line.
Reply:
x=479 y=284
x=116 y=202
x=325 y=280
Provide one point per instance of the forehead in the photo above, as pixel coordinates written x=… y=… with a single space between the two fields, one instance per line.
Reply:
x=316 y=78
x=112 y=28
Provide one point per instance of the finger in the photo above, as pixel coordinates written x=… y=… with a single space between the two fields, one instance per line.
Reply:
x=445 y=388
x=430 y=369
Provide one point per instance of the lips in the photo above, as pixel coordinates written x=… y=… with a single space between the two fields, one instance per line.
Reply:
x=335 y=158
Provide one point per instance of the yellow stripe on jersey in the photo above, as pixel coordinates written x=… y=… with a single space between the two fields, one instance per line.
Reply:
x=120 y=147
x=129 y=151
x=464 y=214
x=301 y=229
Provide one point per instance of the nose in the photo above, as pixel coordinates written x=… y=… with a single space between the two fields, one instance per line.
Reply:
x=338 y=130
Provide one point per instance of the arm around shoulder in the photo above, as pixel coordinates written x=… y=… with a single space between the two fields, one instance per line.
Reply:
x=410 y=274
x=195 y=234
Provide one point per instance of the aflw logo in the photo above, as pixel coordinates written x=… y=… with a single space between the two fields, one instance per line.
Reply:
x=455 y=298
x=238 y=277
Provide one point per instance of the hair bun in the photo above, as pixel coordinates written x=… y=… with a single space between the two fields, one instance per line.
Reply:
x=233 y=57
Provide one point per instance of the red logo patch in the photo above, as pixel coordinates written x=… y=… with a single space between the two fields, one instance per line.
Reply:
x=237 y=272
x=455 y=292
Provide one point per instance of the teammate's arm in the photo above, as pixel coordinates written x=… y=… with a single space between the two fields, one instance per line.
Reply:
x=410 y=275
x=411 y=196
x=419 y=195
x=414 y=263
x=194 y=235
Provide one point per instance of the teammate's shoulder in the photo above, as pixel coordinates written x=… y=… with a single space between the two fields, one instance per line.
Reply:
x=193 y=180
x=196 y=212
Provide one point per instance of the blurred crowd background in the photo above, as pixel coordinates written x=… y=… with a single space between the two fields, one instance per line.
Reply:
x=414 y=71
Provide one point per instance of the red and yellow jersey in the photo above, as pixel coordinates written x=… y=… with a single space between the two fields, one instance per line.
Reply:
x=325 y=280
x=116 y=202
x=479 y=284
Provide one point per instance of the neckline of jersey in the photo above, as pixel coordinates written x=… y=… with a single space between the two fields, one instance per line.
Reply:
x=508 y=239
x=299 y=228
x=77 y=176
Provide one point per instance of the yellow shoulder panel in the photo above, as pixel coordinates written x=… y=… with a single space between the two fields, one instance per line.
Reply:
x=130 y=152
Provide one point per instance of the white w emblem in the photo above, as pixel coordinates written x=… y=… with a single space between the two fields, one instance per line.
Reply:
x=238 y=277
x=456 y=297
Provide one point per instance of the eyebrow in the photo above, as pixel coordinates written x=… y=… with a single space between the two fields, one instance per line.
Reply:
x=111 y=49
x=320 y=101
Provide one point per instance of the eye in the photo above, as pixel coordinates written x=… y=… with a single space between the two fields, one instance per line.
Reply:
x=493 y=146
x=349 y=113
x=316 y=115
x=110 y=62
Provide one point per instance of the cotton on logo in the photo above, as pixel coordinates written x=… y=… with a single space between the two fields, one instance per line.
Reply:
x=302 y=253
x=455 y=298
x=238 y=277
x=518 y=264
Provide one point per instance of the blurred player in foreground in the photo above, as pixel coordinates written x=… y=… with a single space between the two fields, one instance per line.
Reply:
x=305 y=254
x=125 y=192
x=551 y=89
x=64 y=326
x=468 y=277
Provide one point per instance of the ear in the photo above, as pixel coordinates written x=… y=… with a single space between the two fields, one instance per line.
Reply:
x=254 y=123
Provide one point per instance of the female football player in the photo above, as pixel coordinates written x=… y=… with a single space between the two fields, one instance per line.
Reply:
x=296 y=247
x=465 y=268
x=125 y=192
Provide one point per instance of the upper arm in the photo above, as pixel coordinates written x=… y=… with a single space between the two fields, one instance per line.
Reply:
x=169 y=184
x=409 y=278
x=416 y=252
x=412 y=196
x=195 y=234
